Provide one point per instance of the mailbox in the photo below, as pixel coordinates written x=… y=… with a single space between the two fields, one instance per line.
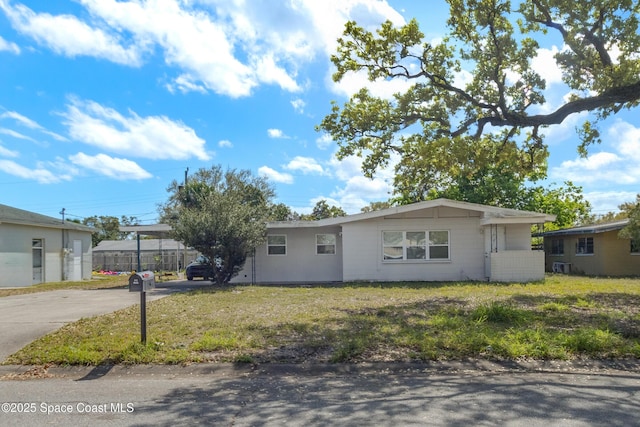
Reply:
x=142 y=282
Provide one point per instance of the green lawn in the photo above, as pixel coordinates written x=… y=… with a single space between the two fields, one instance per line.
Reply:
x=565 y=317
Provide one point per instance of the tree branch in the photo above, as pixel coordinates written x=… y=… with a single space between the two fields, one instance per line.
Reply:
x=618 y=95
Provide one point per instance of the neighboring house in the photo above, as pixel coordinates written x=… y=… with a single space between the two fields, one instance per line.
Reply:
x=36 y=248
x=155 y=254
x=594 y=250
x=436 y=240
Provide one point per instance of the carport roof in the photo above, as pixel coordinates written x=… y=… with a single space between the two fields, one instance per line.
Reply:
x=161 y=231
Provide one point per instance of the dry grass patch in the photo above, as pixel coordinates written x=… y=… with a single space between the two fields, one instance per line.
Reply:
x=562 y=318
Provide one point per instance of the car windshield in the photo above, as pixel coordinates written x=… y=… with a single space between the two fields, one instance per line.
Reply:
x=202 y=260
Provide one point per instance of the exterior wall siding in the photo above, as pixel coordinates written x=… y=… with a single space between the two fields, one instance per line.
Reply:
x=363 y=259
x=16 y=260
x=301 y=264
x=611 y=255
x=517 y=266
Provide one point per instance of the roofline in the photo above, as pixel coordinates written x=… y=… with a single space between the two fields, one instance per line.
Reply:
x=34 y=219
x=588 y=229
x=502 y=215
x=159 y=230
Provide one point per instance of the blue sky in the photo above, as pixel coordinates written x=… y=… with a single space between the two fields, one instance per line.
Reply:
x=103 y=103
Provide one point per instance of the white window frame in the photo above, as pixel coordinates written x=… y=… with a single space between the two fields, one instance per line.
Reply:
x=276 y=245
x=404 y=245
x=334 y=244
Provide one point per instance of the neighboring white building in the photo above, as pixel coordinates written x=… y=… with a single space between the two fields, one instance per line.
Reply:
x=436 y=240
x=36 y=248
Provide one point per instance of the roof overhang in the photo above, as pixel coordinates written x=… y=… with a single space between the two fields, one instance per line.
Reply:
x=162 y=231
x=517 y=220
x=588 y=229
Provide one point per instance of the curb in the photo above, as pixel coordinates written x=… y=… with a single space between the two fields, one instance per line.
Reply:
x=230 y=370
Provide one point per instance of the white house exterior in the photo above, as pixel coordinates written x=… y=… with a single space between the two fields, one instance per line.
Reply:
x=36 y=248
x=436 y=240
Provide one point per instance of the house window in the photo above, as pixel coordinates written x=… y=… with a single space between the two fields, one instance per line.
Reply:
x=635 y=246
x=277 y=244
x=557 y=247
x=584 y=246
x=325 y=244
x=415 y=245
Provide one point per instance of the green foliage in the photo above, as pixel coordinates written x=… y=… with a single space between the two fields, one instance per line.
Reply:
x=221 y=214
x=498 y=313
x=632 y=211
x=452 y=134
x=322 y=210
x=567 y=203
x=376 y=206
x=281 y=212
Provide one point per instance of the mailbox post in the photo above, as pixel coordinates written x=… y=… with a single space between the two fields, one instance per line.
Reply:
x=142 y=282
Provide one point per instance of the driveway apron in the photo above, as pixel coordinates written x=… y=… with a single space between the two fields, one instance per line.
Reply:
x=24 y=318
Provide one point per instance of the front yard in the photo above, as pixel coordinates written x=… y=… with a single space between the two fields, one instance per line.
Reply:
x=565 y=317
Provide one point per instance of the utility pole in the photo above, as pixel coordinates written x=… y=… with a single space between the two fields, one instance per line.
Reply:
x=62 y=213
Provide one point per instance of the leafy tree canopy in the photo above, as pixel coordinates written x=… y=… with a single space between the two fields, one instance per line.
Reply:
x=323 y=210
x=632 y=211
x=475 y=107
x=376 y=206
x=222 y=214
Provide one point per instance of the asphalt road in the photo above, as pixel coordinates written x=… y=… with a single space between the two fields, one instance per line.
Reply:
x=286 y=395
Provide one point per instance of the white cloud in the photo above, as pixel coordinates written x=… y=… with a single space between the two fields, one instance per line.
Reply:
x=618 y=166
x=228 y=47
x=27 y=122
x=353 y=82
x=277 y=134
x=225 y=143
x=120 y=169
x=627 y=139
x=5 y=152
x=298 y=105
x=546 y=66
x=275 y=176
x=9 y=46
x=152 y=137
x=39 y=174
x=324 y=142
x=306 y=165
x=357 y=190
x=608 y=201
x=68 y=35
x=15 y=134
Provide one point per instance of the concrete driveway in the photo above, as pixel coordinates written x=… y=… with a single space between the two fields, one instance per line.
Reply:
x=24 y=318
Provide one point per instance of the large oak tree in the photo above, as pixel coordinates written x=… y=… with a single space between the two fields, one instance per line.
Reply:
x=474 y=107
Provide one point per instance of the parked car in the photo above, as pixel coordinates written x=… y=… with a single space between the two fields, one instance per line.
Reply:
x=201 y=267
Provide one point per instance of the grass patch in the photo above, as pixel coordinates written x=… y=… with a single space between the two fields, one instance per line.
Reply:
x=562 y=318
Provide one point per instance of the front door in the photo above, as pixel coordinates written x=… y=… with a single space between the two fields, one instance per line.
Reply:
x=37 y=260
x=76 y=275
